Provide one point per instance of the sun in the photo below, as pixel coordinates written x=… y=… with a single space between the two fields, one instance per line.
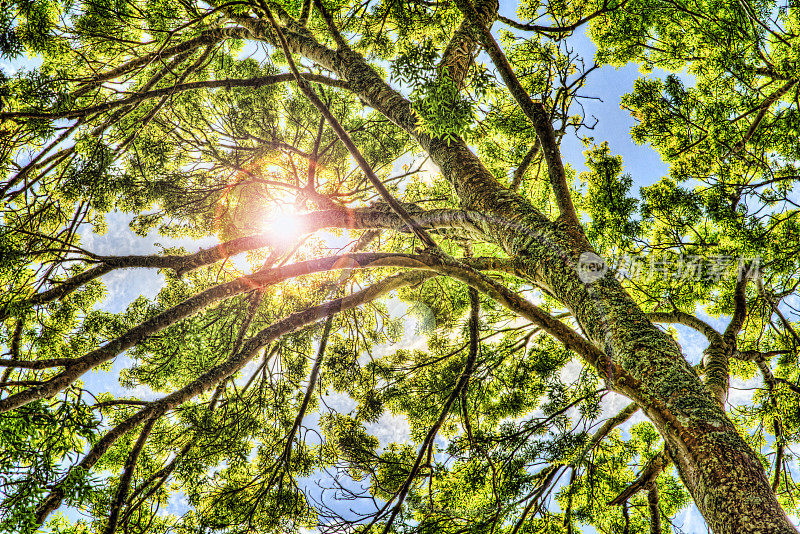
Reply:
x=283 y=215
x=283 y=225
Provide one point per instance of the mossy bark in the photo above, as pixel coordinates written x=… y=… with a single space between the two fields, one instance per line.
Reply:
x=722 y=473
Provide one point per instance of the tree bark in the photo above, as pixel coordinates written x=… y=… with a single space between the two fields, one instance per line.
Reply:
x=721 y=472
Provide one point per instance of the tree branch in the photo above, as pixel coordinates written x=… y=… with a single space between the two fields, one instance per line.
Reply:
x=740 y=305
x=655 y=512
x=284 y=458
x=208 y=37
x=372 y=217
x=689 y=320
x=561 y=29
x=227 y=83
x=520 y=171
x=214 y=376
x=764 y=108
x=646 y=478
x=534 y=111
x=127 y=475
x=601 y=433
x=342 y=134
x=458 y=53
x=78 y=366
x=427 y=443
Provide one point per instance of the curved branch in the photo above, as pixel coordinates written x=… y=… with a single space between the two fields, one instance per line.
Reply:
x=360 y=218
x=560 y=29
x=220 y=372
x=686 y=319
x=258 y=281
x=227 y=83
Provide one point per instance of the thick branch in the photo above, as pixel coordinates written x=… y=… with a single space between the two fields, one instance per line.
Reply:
x=689 y=320
x=655 y=512
x=646 y=478
x=458 y=54
x=740 y=306
x=716 y=370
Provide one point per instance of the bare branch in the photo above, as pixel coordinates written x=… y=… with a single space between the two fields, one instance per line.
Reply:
x=561 y=29
x=647 y=477
x=689 y=320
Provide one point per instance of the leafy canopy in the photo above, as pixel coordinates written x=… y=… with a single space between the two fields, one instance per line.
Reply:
x=185 y=117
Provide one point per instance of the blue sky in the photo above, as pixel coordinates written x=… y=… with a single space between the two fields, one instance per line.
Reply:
x=613 y=126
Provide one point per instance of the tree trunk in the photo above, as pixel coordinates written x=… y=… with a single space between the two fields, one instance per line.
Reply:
x=721 y=472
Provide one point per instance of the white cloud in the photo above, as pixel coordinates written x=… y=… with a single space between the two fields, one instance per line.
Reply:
x=390 y=428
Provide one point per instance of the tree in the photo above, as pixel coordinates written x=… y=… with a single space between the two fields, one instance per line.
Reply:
x=198 y=118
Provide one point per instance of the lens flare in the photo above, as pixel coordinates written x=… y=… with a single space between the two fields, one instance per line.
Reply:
x=284 y=227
